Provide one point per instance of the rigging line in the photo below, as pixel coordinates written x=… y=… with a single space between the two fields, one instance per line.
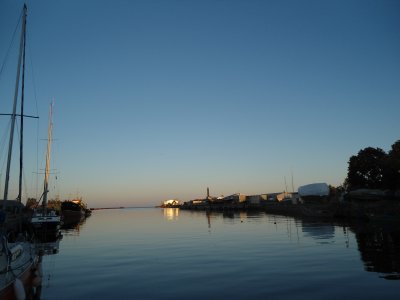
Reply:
x=21 y=157
x=4 y=137
x=37 y=123
x=24 y=181
x=19 y=143
x=33 y=78
x=23 y=169
x=3 y=146
x=14 y=107
x=37 y=158
x=11 y=43
x=32 y=187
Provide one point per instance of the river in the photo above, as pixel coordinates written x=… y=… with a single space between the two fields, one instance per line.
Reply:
x=153 y=253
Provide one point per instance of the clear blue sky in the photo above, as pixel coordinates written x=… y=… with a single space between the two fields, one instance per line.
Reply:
x=162 y=99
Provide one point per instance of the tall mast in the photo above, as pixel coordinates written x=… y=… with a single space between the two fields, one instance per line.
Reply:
x=21 y=144
x=285 y=185
x=292 y=183
x=13 y=115
x=48 y=155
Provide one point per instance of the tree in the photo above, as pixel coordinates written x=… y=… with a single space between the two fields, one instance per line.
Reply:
x=393 y=167
x=395 y=152
x=367 y=169
x=31 y=202
x=373 y=168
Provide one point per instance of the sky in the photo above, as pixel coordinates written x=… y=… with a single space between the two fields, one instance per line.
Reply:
x=157 y=100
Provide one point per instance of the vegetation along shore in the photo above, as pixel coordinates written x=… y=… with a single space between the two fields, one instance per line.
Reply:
x=371 y=191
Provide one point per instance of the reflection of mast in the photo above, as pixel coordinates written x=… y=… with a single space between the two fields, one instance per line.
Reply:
x=208 y=219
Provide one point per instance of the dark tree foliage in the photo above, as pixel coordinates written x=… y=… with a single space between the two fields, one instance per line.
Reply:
x=374 y=169
x=366 y=170
x=395 y=151
x=393 y=166
x=31 y=202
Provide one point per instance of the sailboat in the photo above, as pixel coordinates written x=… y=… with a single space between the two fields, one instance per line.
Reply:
x=17 y=255
x=45 y=222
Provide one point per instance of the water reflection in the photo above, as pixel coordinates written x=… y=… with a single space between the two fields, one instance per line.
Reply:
x=171 y=214
x=35 y=283
x=48 y=248
x=318 y=230
x=72 y=226
x=379 y=247
x=378 y=244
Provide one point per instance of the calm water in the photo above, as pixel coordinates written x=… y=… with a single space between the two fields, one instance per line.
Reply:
x=153 y=253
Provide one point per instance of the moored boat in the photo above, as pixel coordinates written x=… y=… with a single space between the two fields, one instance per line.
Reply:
x=17 y=256
x=73 y=211
x=46 y=222
x=18 y=262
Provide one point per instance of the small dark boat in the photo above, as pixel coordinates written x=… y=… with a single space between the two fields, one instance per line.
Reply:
x=73 y=211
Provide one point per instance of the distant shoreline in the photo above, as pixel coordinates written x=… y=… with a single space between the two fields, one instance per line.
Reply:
x=100 y=208
x=120 y=207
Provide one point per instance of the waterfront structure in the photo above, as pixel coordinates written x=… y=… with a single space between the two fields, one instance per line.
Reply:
x=254 y=199
x=171 y=203
x=314 y=192
x=316 y=200
x=237 y=198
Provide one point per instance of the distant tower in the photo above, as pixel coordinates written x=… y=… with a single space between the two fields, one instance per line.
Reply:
x=208 y=193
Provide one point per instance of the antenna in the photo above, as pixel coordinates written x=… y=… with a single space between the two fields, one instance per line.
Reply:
x=285 y=184
x=292 y=181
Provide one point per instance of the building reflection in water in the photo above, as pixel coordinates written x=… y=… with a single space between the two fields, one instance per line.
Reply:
x=322 y=232
x=171 y=214
x=379 y=247
x=378 y=244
